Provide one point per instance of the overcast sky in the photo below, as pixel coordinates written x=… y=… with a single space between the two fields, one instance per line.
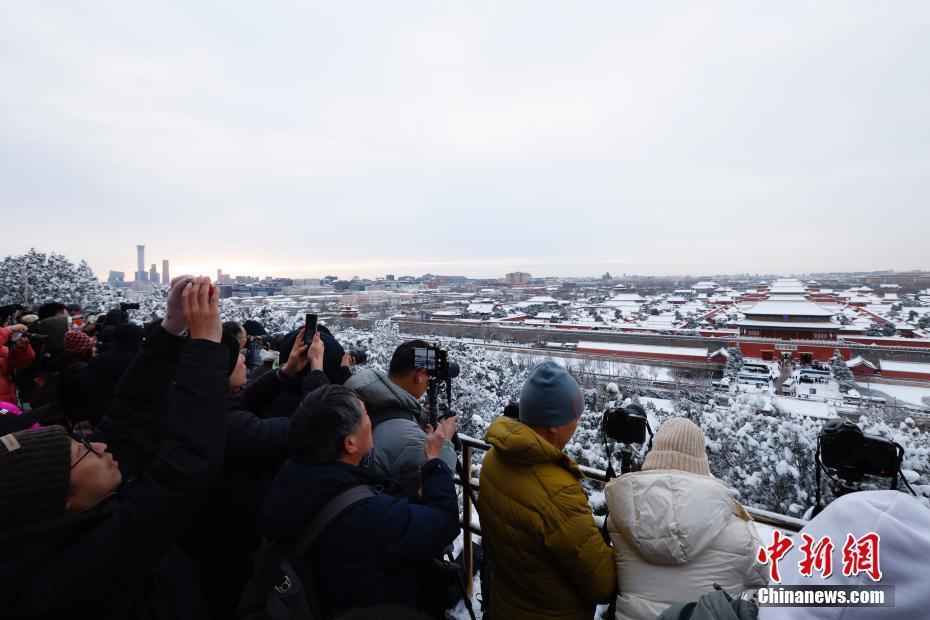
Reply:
x=563 y=138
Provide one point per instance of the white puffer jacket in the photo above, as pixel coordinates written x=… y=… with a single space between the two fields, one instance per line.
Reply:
x=676 y=534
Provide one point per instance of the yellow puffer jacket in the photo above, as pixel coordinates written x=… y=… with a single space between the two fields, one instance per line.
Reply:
x=550 y=560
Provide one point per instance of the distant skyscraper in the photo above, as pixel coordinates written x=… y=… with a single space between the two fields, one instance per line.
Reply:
x=153 y=274
x=219 y=276
x=165 y=278
x=141 y=276
x=116 y=277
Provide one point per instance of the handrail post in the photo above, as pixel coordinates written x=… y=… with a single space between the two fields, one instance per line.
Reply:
x=466 y=513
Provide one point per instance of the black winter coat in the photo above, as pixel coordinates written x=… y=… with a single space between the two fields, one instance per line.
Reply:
x=370 y=554
x=225 y=532
x=118 y=559
x=103 y=374
x=133 y=426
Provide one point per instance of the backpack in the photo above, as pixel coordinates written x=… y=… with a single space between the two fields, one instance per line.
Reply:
x=282 y=586
x=715 y=605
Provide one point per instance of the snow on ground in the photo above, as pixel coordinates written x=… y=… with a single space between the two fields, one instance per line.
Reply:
x=662 y=404
x=906 y=394
x=805 y=407
x=609 y=368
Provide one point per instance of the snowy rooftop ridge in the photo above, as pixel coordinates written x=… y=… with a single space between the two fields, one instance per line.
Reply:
x=905 y=366
x=801 y=307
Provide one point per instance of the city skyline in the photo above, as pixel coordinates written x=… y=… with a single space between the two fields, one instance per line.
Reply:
x=449 y=270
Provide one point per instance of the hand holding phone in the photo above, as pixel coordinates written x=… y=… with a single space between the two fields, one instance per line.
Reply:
x=309 y=328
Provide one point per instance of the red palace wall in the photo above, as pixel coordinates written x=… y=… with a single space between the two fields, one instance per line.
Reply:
x=775 y=350
x=896 y=374
x=645 y=355
x=887 y=342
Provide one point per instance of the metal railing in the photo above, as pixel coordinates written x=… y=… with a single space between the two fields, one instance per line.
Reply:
x=470 y=444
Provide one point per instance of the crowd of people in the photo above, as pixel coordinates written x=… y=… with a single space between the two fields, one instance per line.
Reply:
x=191 y=468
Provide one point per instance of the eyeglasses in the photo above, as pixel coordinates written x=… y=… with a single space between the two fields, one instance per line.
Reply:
x=88 y=448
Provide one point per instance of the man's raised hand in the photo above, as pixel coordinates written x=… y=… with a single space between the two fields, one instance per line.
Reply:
x=174 y=322
x=202 y=310
x=432 y=445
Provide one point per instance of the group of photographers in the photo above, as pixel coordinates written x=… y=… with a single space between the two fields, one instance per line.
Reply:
x=207 y=489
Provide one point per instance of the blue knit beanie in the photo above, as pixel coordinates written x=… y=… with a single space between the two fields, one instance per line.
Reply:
x=550 y=397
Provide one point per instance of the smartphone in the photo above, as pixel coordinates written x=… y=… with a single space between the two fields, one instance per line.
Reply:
x=309 y=328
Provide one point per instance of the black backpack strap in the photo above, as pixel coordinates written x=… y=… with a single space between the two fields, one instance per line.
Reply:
x=332 y=509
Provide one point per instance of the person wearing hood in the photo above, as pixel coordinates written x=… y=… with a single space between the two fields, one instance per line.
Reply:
x=677 y=530
x=55 y=327
x=370 y=553
x=903 y=526
x=392 y=401
x=70 y=545
x=105 y=370
x=114 y=318
x=335 y=370
x=549 y=559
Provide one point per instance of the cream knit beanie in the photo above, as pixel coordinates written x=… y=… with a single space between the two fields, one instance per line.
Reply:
x=679 y=444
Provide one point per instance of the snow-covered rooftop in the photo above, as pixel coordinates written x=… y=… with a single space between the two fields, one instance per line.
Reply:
x=905 y=366
x=642 y=348
x=801 y=307
x=827 y=325
x=859 y=361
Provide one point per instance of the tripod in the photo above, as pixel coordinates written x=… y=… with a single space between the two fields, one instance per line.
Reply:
x=432 y=395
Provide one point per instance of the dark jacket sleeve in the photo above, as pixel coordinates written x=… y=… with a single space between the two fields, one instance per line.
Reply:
x=115 y=559
x=133 y=425
x=426 y=528
x=257 y=395
x=314 y=379
x=251 y=438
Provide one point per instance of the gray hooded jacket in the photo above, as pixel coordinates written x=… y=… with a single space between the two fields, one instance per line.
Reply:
x=398 y=440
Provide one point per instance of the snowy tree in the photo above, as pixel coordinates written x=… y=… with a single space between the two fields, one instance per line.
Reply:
x=874 y=330
x=734 y=362
x=841 y=371
x=35 y=278
x=888 y=329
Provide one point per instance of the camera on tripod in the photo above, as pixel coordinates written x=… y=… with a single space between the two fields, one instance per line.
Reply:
x=847 y=455
x=435 y=361
x=627 y=426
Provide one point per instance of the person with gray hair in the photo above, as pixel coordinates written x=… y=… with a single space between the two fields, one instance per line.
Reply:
x=368 y=554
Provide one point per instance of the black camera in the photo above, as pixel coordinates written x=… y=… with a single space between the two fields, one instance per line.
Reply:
x=435 y=361
x=626 y=424
x=359 y=356
x=125 y=305
x=851 y=454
